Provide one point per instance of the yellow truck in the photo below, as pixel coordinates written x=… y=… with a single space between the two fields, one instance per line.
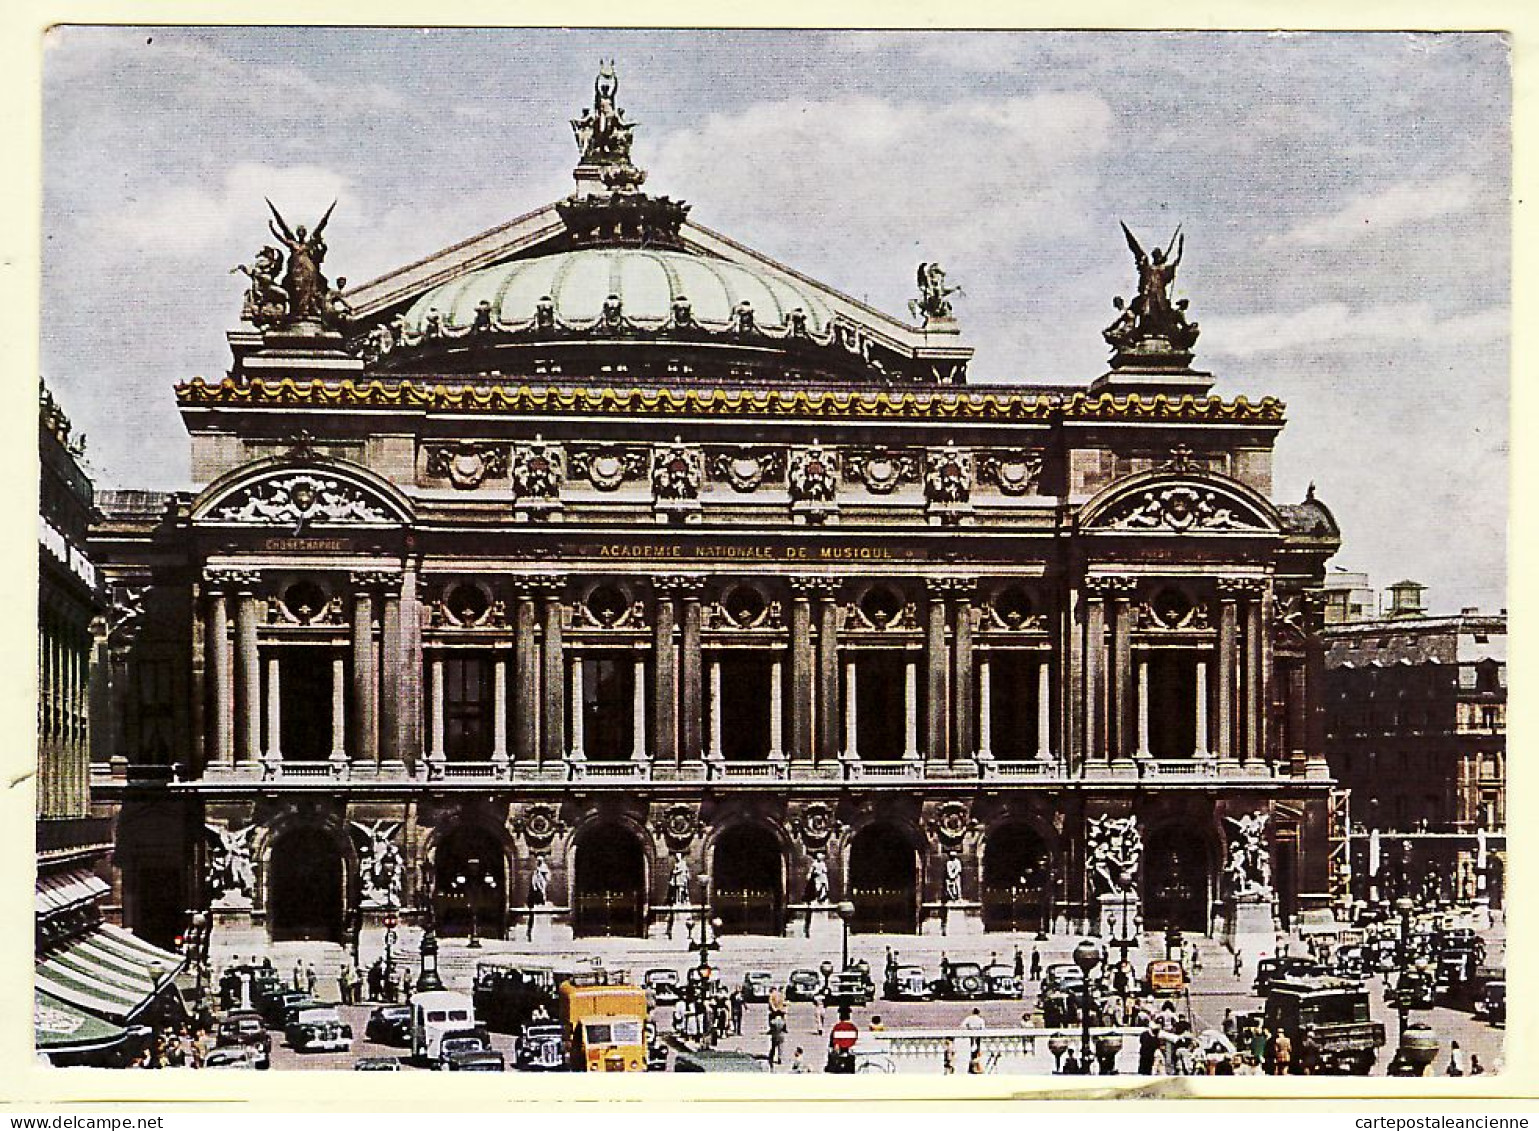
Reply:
x=604 y=1027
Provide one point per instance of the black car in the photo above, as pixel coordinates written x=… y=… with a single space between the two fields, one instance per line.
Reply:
x=389 y=1025
x=243 y=1028
x=852 y=986
x=1415 y=988
x=1285 y=968
x=317 y=1027
x=757 y=985
x=275 y=1006
x=962 y=981
x=665 y=985
x=1491 y=1006
x=906 y=983
x=474 y=1060
x=377 y=1064
x=465 y=1049
x=538 y=1048
x=1003 y=982
x=803 y=985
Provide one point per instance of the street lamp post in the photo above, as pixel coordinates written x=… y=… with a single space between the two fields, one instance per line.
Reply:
x=846 y=913
x=1405 y=906
x=428 y=979
x=1087 y=956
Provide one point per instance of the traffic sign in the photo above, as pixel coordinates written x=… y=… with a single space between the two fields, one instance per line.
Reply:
x=843 y=1035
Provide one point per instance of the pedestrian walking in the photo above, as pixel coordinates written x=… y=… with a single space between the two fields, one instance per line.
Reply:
x=737 y=1005
x=1282 y=1054
x=949 y=1057
x=1455 y=1060
x=1196 y=959
x=1476 y=1068
x=1020 y=965
x=777 y=1036
x=975 y=1062
x=1229 y=1026
x=820 y=1011
x=345 y=983
x=310 y=979
x=1028 y=1042
x=876 y=1025
x=798 y=1064
x=777 y=1002
x=1036 y=963
x=1239 y=964
x=299 y=974
x=1148 y=1045
x=974 y=1022
x=406 y=986
x=680 y=1016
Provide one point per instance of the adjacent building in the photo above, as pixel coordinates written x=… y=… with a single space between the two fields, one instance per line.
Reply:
x=93 y=980
x=600 y=565
x=1416 y=711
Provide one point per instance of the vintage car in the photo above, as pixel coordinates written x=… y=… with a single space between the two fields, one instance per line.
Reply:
x=377 y=1064
x=463 y=1045
x=475 y=1060
x=275 y=1005
x=507 y=995
x=389 y=1025
x=961 y=981
x=1165 y=977
x=237 y=1056
x=1352 y=961
x=1002 y=981
x=851 y=986
x=803 y=985
x=718 y=1060
x=1270 y=970
x=665 y=986
x=1415 y=988
x=757 y=985
x=539 y=1048
x=243 y=1028
x=318 y=1027
x=906 y=983
x=1491 y=1005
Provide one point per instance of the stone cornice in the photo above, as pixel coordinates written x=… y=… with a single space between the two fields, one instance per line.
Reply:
x=959 y=405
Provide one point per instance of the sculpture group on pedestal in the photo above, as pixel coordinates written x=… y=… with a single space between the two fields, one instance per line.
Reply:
x=380 y=865
x=1115 y=848
x=231 y=878
x=1152 y=328
x=303 y=299
x=1249 y=867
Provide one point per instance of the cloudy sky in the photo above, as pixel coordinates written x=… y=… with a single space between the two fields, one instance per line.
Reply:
x=1345 y=199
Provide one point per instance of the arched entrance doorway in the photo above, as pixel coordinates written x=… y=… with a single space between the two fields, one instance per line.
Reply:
x=609 y=883
x=1017 y=879
x=1177 y=880
x=306 y=887
x=469 y=884
x=883 y=882
x=748 y=881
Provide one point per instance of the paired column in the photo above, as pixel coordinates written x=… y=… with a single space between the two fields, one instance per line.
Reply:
x=366 y=667
x=578 y=749
x=714 y=751
x=639 y=709
x=552 y=665
x=1228 y=654
x=910 y=710
x=1122 y=741
x=248 y=669
x=526 y=672
x=777 y=747
x=827 y=719
x=339 y=709
x=1045 y=708
x=691 y=689
x=1201 y=749
x=500 y=708
x=1143 y=710
x=985 y=708
x=664 y=676
x=1255 y=677
x=436 y=734
x=407 y=687
x=1095 y=670
x=965 y=726
x=851 y=720
x=936 y=711
x=221 y=671
x=801 y=668
x=273 y=751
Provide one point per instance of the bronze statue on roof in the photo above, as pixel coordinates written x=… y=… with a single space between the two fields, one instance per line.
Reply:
x=1151 y=330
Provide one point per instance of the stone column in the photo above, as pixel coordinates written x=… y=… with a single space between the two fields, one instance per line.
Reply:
x=408 y=725
x=1265 y=690
x=579 y=749
x=392 y=652
x=1143 y=710
x=691 y=680
x=526 y=673
x=1096 y=749
x=714 y=752
x=1121 y=739
x=828 y=673
x=639 y=709
x=965 y=726
x=339 y=709
x=552 y=664
x=1201 y=745
x=1228 y=649
x=777 y=749
x=935 y=669
x=273 y=752
x=1254 y=678
x=500 y=709
x=801 y=669
x=220 y=666
x=436 y=754
x=1045 y=709
x=910 y=710
x=248 y=670
x=985 y=708
x=851 y=720
x=365 y=670
x=664 y=683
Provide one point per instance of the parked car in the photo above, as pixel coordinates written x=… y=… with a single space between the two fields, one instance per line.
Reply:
x=236 y=1056
x=1491 y=1006
x=757 y=985
x=718 y=1060
x=1002 y=981
x=803 y=985
x=1415 y=988
x=665 y=986
x=477 y=1057
x=1165 y=977
x=390 y=1025
x=318 y=1027
x=962 y=981
x=275 y=1005
x=376 y=1064
x=243 y=1028
x=1352 y=962
x=851 y=986
x=538 y=1048
x=1287 y=966
x=906 y=983
x=461 y=1044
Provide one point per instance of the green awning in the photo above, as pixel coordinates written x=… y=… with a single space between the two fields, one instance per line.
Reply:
x=58 y=1026
x=108 y=972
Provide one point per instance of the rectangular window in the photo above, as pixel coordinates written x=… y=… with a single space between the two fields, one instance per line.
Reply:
x=467 y=703
x=608 y=705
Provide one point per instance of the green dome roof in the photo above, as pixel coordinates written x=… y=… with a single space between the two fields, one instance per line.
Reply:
x=646 y=280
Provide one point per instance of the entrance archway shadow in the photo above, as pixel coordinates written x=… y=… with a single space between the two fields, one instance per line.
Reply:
x=306 y=887
x=748 y=881
x=609 y=883
x=1017 y=879
x=469 y=884
x=883 y=882
x=1178 y=878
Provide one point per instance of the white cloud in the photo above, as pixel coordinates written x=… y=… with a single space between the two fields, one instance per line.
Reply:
x=1370 y=213
x=1339 y=324
x=190 y=221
